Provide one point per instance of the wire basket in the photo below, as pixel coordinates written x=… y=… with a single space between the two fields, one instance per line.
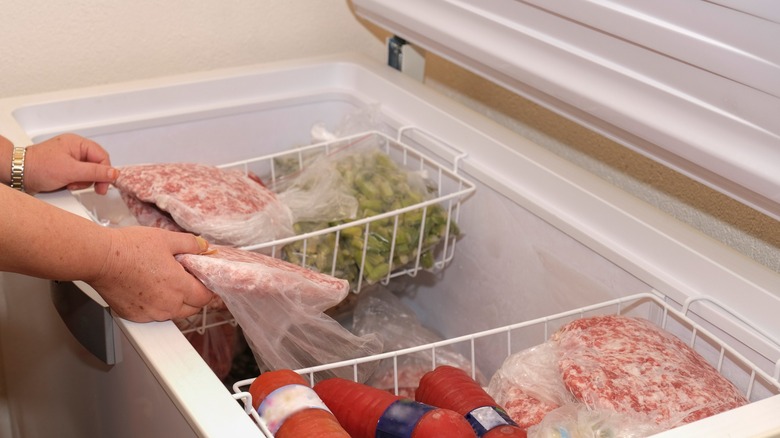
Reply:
x=489 y=348
x=396 y=232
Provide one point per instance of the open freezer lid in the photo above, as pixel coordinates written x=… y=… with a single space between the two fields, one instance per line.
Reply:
x=694 y=85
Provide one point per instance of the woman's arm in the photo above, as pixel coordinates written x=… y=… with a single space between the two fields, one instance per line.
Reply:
x=132 y=268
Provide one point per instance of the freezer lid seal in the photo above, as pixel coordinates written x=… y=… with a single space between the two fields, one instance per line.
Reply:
x=693 y=85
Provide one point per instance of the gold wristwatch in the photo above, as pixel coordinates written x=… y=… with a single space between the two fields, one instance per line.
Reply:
x=17 y=168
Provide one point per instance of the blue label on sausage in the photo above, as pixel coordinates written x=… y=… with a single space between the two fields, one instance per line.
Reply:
x=488 y=417
x=400 y=418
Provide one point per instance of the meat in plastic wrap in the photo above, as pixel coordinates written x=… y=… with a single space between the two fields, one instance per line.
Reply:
x=224 y=206
x=279 y=307
x=631 y=365
x=612 y=365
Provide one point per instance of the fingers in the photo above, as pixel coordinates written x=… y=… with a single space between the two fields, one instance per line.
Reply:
x=92 y=172
x=198 y=295
x=196 y=298
x=195 y=302
x=87 y=173
x=103 y=177
x=186 y=311
x=101 y=188
x=94 y=153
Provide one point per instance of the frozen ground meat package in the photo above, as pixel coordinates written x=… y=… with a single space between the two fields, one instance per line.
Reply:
x=612 y=364
x=280 y=308
x=630 y=364
x=224 y=206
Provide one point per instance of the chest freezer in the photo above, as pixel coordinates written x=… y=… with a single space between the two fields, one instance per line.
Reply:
x=542 y=240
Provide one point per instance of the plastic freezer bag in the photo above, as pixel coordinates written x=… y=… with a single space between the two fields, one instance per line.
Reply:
x=379 y=311
x=280 y=308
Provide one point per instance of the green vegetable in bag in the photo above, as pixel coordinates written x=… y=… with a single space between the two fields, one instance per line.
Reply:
x=379 y=186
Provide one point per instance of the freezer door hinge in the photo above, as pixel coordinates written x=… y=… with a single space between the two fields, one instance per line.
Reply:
x=405 y=57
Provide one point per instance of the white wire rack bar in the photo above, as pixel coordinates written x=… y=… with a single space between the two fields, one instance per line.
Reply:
x=686 y=308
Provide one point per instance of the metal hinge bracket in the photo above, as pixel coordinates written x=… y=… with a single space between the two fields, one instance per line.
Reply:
x=406 y=58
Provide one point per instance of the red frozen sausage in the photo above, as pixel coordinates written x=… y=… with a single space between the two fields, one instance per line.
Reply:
x=365 y=411
x=451 y=388
x=274 y=397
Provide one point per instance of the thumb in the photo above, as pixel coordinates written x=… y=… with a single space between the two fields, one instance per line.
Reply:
x=185 y=243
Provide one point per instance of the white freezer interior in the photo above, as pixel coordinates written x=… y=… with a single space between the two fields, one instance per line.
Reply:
x=540 y=237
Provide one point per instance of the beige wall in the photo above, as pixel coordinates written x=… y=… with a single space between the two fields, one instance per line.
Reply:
x=50 y=45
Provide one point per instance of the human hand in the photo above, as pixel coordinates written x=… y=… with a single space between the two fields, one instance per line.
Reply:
x=67 y=160
x=142 y=281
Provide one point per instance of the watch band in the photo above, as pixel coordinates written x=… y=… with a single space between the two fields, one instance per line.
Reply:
x=17 y=168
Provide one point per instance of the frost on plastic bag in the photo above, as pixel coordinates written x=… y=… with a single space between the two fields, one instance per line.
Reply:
x=215 y=344
x=631 y=365
x=579 y=421
x=224 y=206
x=529 y=386
x=379 y=311
x=279 y=307
x=379 y=185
